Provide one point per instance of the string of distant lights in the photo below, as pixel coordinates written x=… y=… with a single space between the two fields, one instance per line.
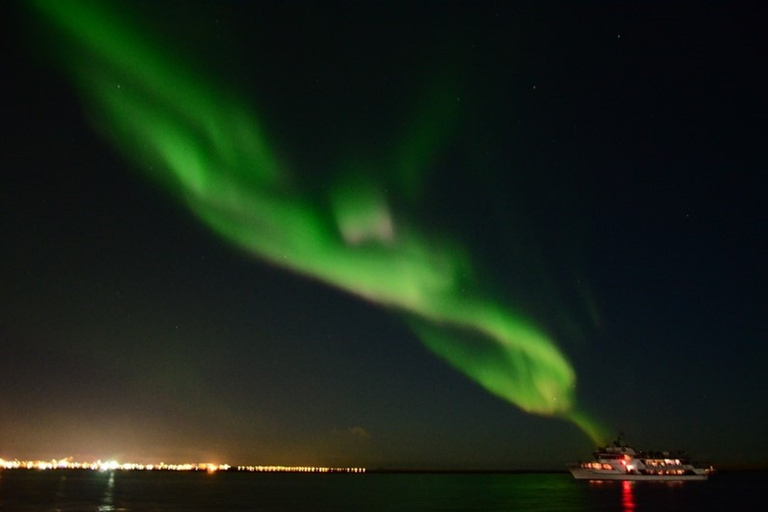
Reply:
x=112 y=465
x=206 y=146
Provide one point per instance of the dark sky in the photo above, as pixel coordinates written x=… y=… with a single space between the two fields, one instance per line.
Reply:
x=604 y=167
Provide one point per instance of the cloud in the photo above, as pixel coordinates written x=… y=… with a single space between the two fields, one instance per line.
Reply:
x=358 y=432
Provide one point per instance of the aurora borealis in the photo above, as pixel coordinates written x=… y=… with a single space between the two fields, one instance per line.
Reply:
x=213 y=154
x=500 y=288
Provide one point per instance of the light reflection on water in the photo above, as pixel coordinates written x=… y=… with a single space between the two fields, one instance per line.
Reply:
x=108 y=501
x=60 y=487
x=627 y=497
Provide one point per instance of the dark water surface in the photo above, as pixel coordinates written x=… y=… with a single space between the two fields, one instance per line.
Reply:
x=68 y=491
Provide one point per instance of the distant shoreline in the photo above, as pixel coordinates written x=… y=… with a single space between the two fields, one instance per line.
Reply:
x=350 y=471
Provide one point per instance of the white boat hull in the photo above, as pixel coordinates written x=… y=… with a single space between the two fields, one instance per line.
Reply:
x=592 y=474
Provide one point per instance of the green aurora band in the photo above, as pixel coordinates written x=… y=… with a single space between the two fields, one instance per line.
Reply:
x=204 y=145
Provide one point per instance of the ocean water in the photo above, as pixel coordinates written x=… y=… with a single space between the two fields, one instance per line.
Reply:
x=70 y=491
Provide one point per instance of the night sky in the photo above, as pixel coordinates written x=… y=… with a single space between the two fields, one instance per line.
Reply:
x=600 y=165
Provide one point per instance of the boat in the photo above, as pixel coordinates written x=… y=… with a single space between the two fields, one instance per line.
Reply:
x=623 y=462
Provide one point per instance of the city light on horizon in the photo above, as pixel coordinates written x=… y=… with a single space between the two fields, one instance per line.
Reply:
x=113 y=465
